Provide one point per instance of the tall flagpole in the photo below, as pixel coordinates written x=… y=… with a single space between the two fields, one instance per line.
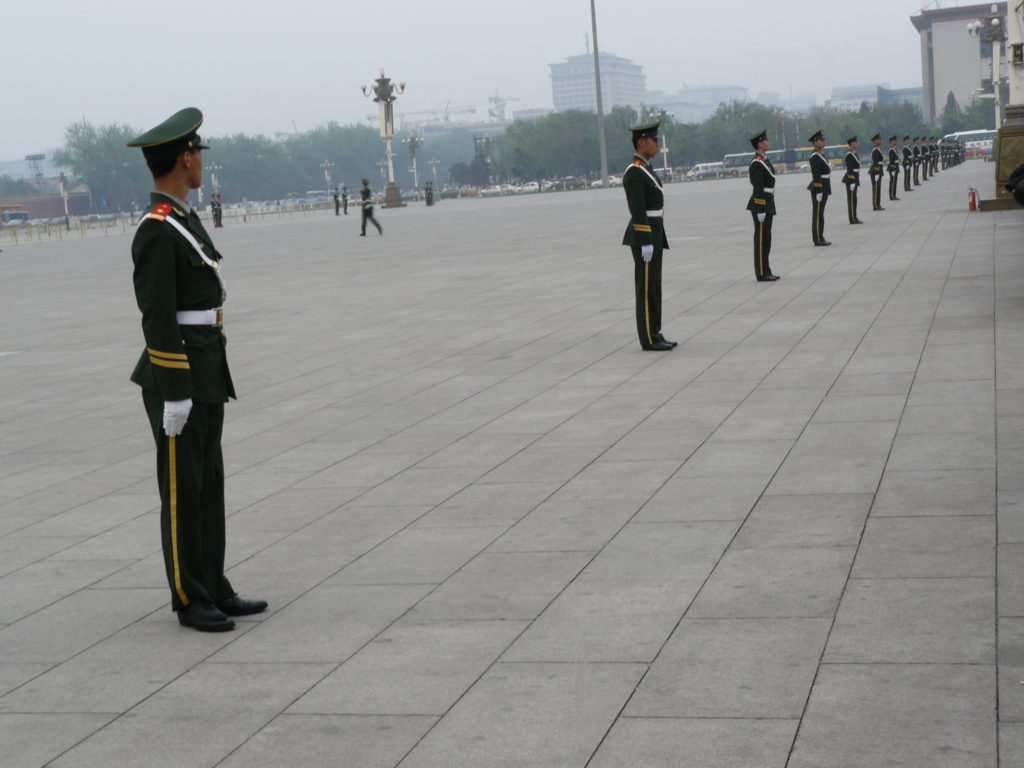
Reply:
x=600 y=108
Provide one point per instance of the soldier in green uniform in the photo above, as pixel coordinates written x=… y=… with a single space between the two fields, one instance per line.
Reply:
x=908 y=163
x=894 y=168
x=762 y=206
x=876 y=171
x=852 y=179
x=183 y=372
x=820 y=187
x=935 y=152
x=645 y=235
x=916 y=152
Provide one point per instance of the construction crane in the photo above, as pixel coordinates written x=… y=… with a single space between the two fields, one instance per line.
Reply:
x=497 y=105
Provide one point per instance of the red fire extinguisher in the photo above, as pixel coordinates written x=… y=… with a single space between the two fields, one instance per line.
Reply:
x=972 y=199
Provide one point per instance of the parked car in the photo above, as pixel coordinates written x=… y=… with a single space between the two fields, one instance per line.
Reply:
x=528 y=187
x=492 y=191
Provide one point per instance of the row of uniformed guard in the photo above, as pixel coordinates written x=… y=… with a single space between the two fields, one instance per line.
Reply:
x=645 y=233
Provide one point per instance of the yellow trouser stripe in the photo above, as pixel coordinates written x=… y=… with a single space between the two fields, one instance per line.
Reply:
x=642 y=227
x=174 y=519
x=647 y=303
x=760 y=247
x=168 y=364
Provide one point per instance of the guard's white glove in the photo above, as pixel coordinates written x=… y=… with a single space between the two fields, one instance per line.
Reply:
x=819 y=196
x=175 y=415
x=760 y=217
x=647 y=253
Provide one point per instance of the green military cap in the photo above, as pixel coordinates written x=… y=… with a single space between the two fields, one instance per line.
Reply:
x=641 y=131
x=818 y=134
x=877 y=137
x=178 y=130
x=851 y=140
x=755 y=140
x=907 y=137
x=893 y=138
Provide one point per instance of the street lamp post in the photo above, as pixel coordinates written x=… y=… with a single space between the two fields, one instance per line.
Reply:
x=433 y=166
x=385 y=92
x=327 y=165
x=64 y=194
x=663 y=117
x=412 y=143
x=213 y=168
x=992 y=30
x=600 y=109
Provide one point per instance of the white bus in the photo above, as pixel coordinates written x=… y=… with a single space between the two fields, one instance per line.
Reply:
x=705 y=171
x=976 y=143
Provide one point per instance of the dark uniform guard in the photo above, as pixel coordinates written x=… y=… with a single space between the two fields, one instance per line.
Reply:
x=926 y=159
x=367 y=197
x=894 y=168
x=183 y=372
x=852 y=179
x=820 y=187
x=344 y=199
x=908 y=163
x=762 y=206
x=645 y=235
x=217 y=209
x=935 y=152
x=336 y=194
x=876 y=172
x=916 y=152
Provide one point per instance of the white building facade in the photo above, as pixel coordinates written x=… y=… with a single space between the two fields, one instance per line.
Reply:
x=572 y=83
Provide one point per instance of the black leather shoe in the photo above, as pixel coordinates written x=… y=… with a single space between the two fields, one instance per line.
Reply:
x=857 y=221
x=204 y=617
x=663 y=340
x=236 y=606
x=659 y=346
x=894 y=198
x=824 y=242
x=879 y=209
x=768 y=279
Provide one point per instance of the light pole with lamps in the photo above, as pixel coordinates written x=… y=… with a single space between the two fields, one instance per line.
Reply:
x=214 y=168
x=64 y=193
x=327 y=165
x=412 y=143
x=992 y=30
x=384 y=92
x=663 y=116
x=433 y=166
x=600 y=110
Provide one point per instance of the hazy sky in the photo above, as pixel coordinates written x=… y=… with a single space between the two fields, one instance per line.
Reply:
x=260 y=65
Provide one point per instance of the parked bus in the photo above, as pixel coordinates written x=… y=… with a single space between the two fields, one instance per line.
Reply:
x=736 y=164
x=10 y=216
x=976 y=143
x=705 y=171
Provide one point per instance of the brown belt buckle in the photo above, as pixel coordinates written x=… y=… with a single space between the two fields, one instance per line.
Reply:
x=220 y=316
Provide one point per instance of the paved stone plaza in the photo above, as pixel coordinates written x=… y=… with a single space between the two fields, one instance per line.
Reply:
x=494 y=532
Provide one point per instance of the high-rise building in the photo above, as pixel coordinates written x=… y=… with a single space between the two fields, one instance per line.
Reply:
x=572 y=83
x=951 y=60
x=849 y=98
x=695 y=105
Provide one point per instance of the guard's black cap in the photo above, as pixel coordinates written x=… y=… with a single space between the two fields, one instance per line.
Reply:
x=907 y=137
x=641 y=131
x=755 y=140
x=818 y=134
x=851 y=140
x=893 y=138
x=877 y=137
x=177 y=132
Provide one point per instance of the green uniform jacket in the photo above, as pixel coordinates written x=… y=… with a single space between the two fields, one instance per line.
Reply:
x=894 y=159
x=877 y=161
x=820 y=170
x=643 y=193
x=762 y=179
x=180 y=361
x=852 y=175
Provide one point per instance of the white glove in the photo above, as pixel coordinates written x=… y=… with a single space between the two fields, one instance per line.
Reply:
x=760 y=217
x=175 y=415
x=819 y=196
x=647 y=252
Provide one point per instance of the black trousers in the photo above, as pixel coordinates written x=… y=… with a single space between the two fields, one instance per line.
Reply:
x=894 y=178
x=368 y=215
x=917 y=174
x=762 y=244
x=906 y=178
x=876 y=191
x=190 y=476
x=925 y=168
x=818 y=217
x=647 y=284
x=851 y=202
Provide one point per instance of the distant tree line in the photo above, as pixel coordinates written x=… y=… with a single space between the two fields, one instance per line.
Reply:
x=557 y=145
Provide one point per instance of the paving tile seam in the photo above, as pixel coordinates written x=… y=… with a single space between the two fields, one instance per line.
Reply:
x=906 y=272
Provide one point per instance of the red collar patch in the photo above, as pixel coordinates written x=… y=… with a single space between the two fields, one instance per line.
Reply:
x=163 y=209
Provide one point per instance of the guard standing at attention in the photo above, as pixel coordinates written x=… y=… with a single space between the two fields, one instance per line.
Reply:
x=894 y=168
x=183 y=372
x=935 y=152
x=762 y=206
x=336 y=194
x=820 y=187
x=344 y=199
x=645 y=235
x=908 y=162
x=367 y=197
x=916 y=150
x=852 y=179
x=876 y=171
